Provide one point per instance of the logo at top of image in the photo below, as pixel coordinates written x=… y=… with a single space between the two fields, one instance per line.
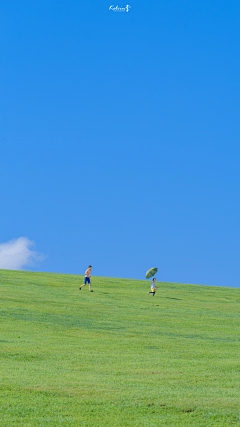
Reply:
x=120 y=9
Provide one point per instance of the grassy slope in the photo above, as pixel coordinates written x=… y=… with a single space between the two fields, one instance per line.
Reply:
x=117 y=357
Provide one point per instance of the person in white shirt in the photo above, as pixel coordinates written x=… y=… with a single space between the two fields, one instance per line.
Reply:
x=153 y=287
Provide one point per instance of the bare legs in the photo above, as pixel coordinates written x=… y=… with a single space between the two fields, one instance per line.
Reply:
x=84 y=284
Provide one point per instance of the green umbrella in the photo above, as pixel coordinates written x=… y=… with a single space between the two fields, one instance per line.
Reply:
x=151 y=272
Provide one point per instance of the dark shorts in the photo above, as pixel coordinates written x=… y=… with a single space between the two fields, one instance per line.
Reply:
x=86 y=280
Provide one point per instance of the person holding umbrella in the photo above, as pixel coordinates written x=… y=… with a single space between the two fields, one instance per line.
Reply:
x=153 y=287
x=150 y=273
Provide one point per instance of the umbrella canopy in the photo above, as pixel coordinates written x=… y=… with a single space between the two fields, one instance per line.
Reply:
x=151 y=272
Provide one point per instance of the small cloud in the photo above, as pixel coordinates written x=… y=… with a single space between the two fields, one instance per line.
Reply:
x=18 y=253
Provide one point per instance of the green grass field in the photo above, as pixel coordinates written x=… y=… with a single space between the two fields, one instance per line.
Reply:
x=116 y=356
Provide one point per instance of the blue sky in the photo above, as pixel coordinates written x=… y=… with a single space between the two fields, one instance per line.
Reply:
x=120 y=137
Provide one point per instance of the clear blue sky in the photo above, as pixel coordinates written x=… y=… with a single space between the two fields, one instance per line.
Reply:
x=120 y=136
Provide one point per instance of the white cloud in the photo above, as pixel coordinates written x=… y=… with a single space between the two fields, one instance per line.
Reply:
x=17 y=253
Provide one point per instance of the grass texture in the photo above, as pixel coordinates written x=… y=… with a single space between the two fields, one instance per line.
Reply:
x=116 y=356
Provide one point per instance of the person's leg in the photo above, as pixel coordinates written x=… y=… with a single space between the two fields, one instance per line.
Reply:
x=89 y=284
x=83 y=283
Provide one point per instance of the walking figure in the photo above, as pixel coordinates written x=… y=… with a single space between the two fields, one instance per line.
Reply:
x=153 y=287
x=87 y=278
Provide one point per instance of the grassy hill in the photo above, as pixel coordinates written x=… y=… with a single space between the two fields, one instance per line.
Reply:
x=116 y=356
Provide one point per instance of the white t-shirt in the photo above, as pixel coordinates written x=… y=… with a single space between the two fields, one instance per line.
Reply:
x=153 y=285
